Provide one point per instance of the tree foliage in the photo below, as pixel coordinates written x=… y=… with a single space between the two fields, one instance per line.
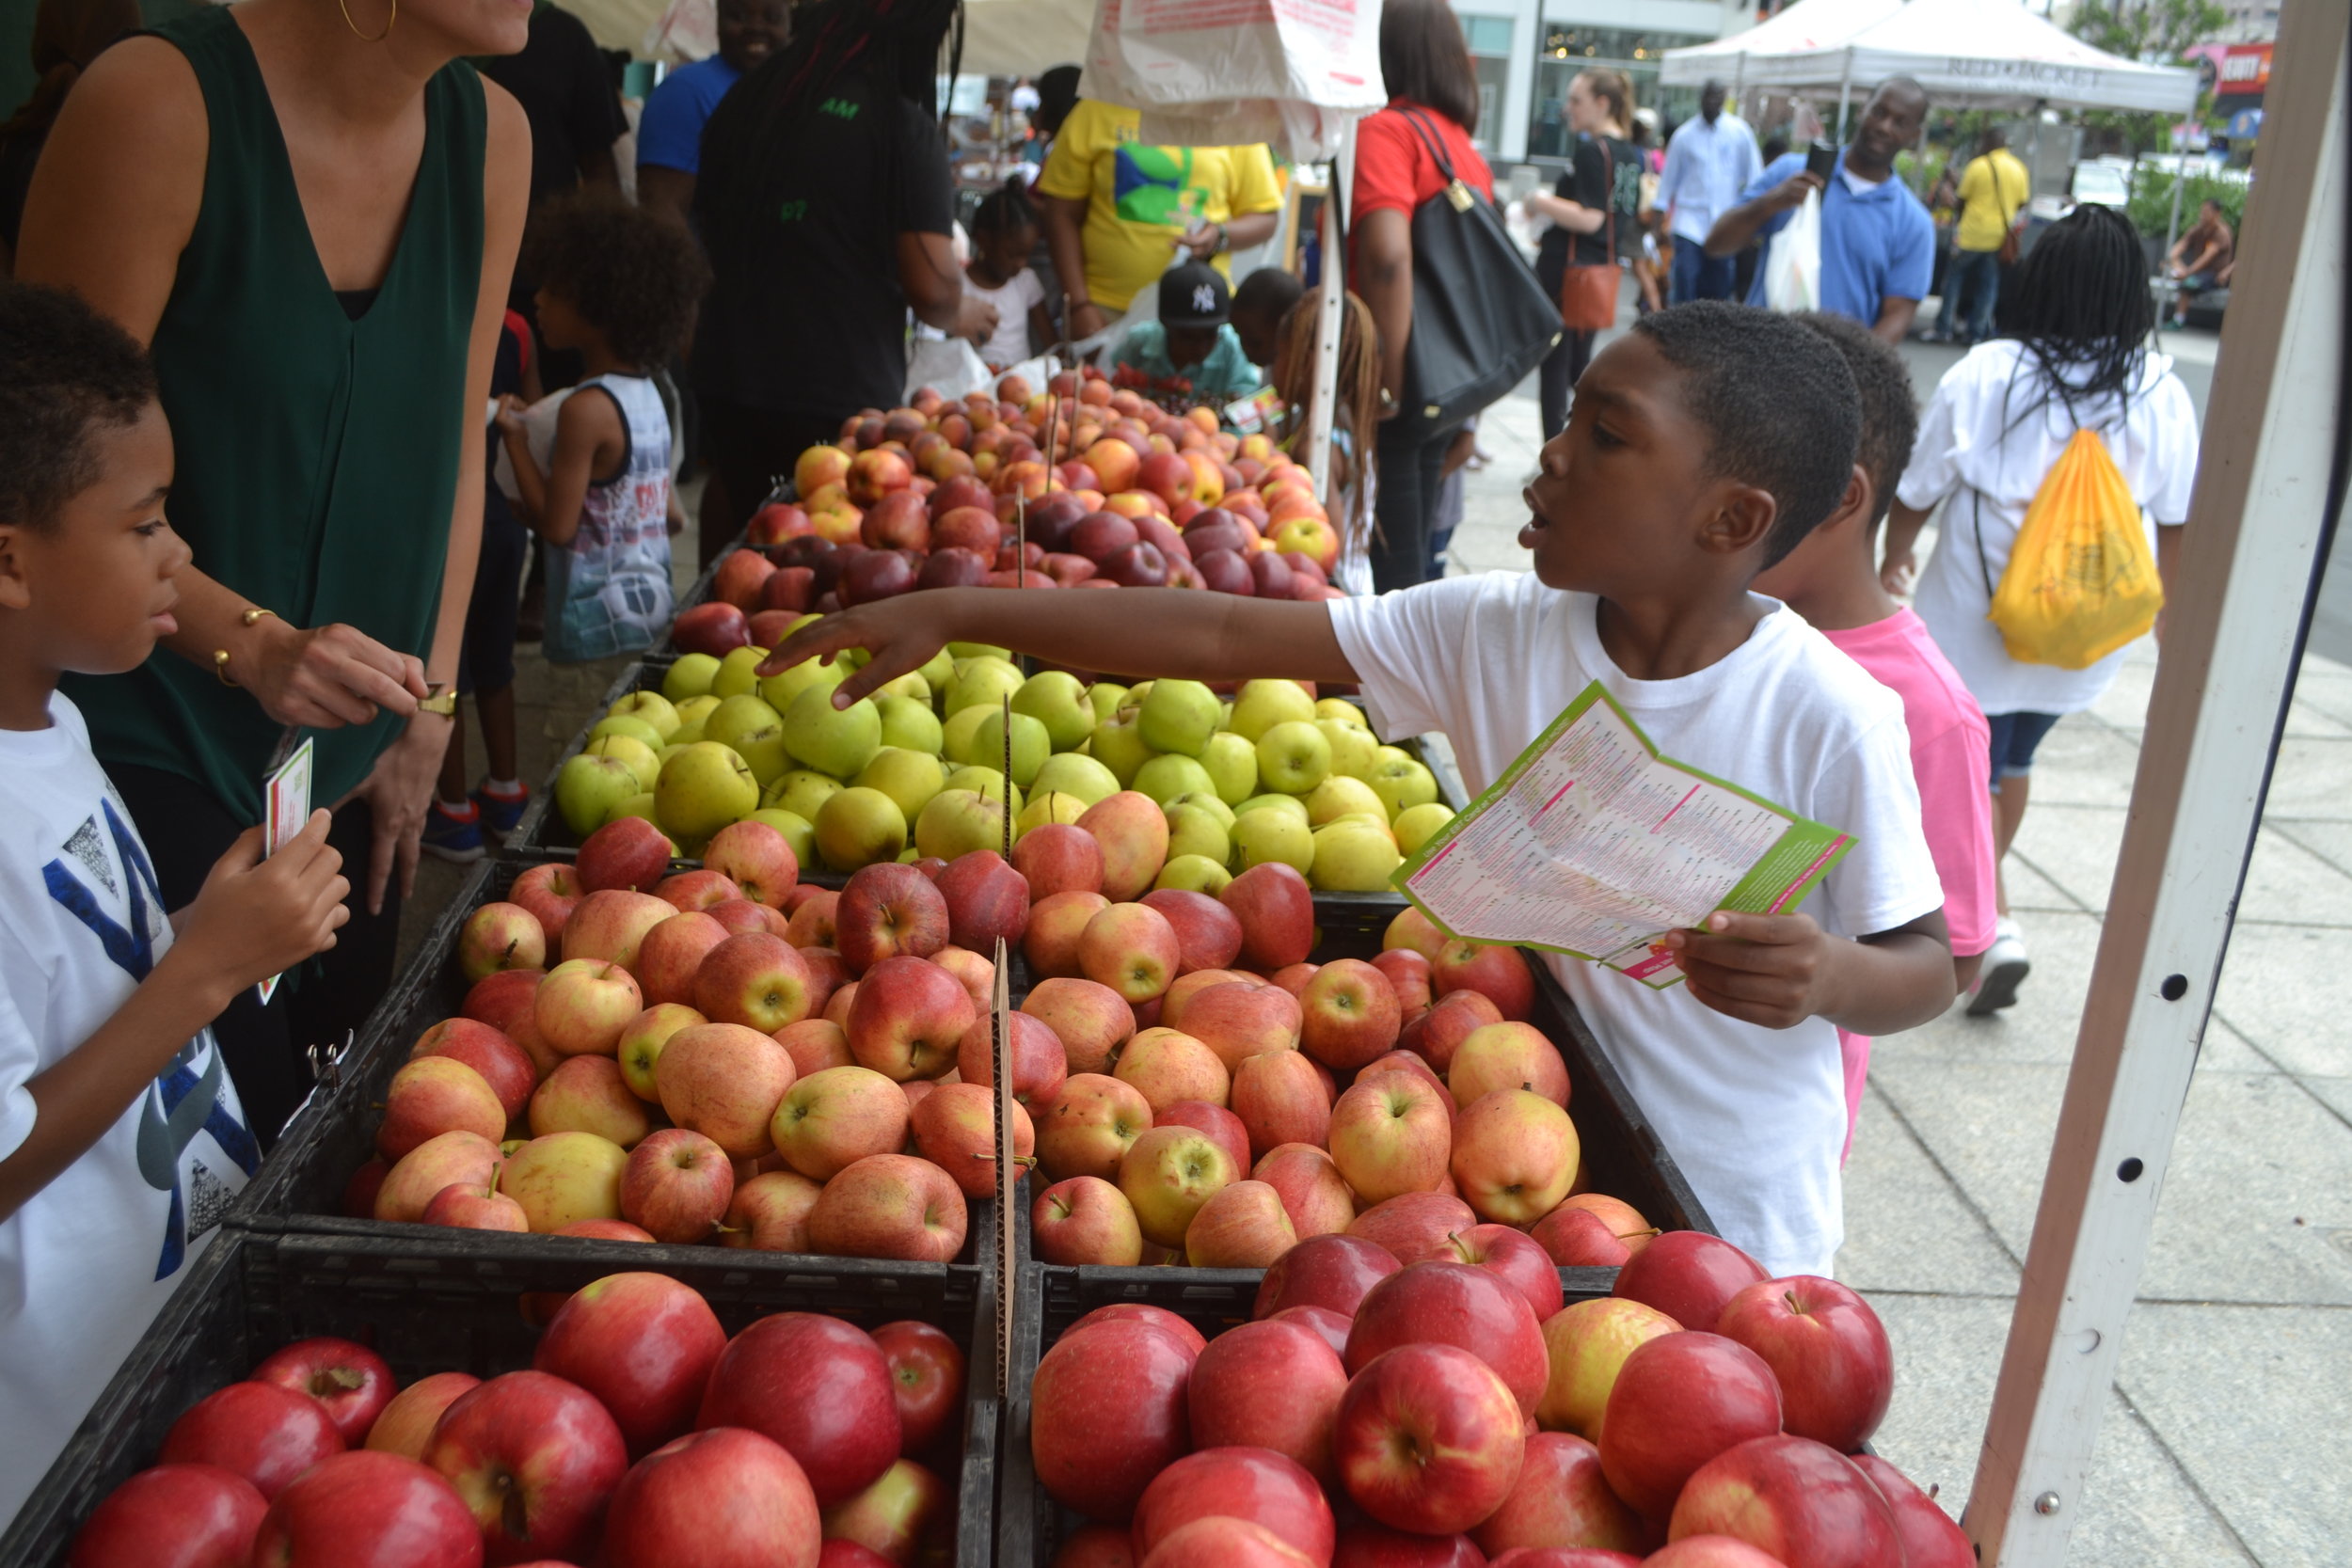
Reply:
x=2156 y=32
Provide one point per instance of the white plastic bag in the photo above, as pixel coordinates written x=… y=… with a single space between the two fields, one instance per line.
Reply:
x=538 y=434
x=1792 y=273
x=1228 y=72
x=948 y=366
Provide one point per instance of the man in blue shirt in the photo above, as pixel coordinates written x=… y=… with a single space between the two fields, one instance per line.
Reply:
x=1708 y=162
x=1877 y=243
x=670 y=131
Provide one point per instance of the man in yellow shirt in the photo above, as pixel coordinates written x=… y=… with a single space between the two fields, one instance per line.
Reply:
x=1117 y=213
x=1992 y=187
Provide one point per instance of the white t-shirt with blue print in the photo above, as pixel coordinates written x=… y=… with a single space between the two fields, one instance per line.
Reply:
x=87 y=1262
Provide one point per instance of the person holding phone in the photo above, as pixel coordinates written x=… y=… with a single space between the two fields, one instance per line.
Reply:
x=1877 y=243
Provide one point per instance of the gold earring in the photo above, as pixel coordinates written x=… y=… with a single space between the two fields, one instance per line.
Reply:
x=344 y=6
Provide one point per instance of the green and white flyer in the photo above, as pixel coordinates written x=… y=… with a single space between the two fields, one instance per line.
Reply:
x=1593 y=845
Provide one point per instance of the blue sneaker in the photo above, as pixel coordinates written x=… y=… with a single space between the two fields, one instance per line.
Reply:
x=452 y=836
x=501 y=814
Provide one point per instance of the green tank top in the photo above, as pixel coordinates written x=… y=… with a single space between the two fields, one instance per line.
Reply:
x=317 y=455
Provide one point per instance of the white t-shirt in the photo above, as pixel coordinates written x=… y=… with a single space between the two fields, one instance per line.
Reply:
x=1987 y=439
x=86 y=1263
x=1753 y=1116
x=1010 y=344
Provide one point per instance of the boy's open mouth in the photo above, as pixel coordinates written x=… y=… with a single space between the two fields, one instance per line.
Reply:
x=1535 y=520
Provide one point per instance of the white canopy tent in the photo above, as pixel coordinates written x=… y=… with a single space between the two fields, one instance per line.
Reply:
x=1968 y=53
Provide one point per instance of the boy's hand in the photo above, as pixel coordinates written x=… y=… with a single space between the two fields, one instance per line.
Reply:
x=255 y=918
x=902 y=634
x=1763 y=969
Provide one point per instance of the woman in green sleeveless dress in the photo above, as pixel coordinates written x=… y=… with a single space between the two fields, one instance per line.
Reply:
x=309 y=209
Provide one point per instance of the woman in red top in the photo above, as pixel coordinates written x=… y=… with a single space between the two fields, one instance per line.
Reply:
x=1432 y=85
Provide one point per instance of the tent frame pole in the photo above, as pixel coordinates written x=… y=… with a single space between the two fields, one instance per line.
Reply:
x=1329 y=320
x=2233 y=640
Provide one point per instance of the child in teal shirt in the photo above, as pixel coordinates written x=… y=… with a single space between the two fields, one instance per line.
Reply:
x=1193 y=341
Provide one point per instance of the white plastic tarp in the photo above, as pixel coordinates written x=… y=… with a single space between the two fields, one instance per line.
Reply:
x=1968 y=53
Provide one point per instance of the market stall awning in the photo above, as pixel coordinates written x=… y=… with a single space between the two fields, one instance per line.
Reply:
x=1806 y=26
x=1968 y=53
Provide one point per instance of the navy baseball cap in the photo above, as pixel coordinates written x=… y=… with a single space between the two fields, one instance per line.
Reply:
x=1193 y=293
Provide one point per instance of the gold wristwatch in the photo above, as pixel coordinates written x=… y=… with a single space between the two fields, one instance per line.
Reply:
x=439 y=699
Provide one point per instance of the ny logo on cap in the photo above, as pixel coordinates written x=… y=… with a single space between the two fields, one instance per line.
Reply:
x=1203 y=298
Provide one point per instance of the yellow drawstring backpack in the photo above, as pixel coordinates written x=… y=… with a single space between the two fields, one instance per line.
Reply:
x=2081 y=580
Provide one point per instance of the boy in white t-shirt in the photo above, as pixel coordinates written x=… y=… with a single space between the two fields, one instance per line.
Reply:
x=1704 y=445
x=122 y=1140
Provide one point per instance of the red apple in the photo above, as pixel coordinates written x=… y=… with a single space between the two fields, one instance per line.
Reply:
x=1688 y=1275
x=1107 y=1413
x=671 y=954
x=926 y=1378
x=1093 y=1122
x=889 y=911
x=1240 y=1019
x=908 y=1018
x=1089 y=1546
x=1378 y=1546
x=501 y=936
x=407 y=1422
x=1428 y=1438
x=811 y=910
x=350 y=1382
x=1799 y=1500
x=534 y=1459
x=842 y=1440
x=896 y=1517
x=986 y=899
x=1711 y=1551
x=1324 y=1270
x=955 y=1128
x=499 y=999
x=1408 y=973
x=713 y=627
x=1277 y=912
x=890 y=1205
x=1931 y=1540
x=1413 y=1224
x=1294 y=977
x=1325 y=1324
x=677 y=1186
x=1040 y=1066
x=1258 y=1484
x=1455 y=1304
x=1510 y=1257
x=433 y=1095
x=897 y=521
x=609 y=925
x=1220 y=1541
x=704 y=890
x=1278 y=1100
x=1828 y=1348
x=265 y=1431
x=1497 y=972
x=740 y=577
x=1132 y=949
x=1273 y=1385
x=724 y=1081
x=460 y=1207
x=1349 y=1015
x=1091 y=1020
x=1561 y=1501
x=172 y=1517
x=1451 y=1018
x=1208 y=935
x=770 y=1213
x=1058 y=857
x=754 y=979
x=499 y=1061
x=626 y=852
x=1057 y=921
x=1577 y=1237
x=1215 y=1120
x=1085 y=1220
x=757 y=858
x=715 y=1499
x=1680 y=1400
x=643 y=1345
x=368 y=1511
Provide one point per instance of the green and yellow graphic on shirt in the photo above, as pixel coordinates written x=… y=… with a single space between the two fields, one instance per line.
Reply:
x=1153 y=184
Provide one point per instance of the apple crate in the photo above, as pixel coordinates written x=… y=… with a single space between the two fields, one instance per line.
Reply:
x=299 y=1187
x=427 y=1304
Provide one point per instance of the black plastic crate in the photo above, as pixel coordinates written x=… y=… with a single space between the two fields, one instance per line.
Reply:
x=427 y=1304
x=300 y=1185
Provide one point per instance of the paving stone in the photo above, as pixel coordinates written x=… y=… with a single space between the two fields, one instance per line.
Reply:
x=2260 y=1179
x=2041 y=1026
x=2287 y=884
x=2074 y=846
x=2336 y=1093
x=2310 y=780
x=2029 y=889
x=2227 y=1051
x=1989 y=1123
x=1907 y=1226
x=2289 y=990
x=2083 y=763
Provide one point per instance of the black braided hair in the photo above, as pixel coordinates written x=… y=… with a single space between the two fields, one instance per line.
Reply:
x=1004 y=210
x=2080 y=298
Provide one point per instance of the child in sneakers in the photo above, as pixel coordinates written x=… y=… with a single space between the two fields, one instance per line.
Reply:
x=121 y=1138
x=1832 y=580
x=1704 y=445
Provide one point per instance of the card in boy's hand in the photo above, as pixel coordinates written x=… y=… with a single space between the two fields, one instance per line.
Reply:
x=286 y=794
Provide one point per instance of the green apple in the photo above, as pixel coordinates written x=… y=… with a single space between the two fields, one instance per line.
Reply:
x=1031 y=745
x=957 y=736
x=1400 y=782
x=961 y=651
x=1118 y=745
x=853 y=658
x=910 y=724
x=1105 y=698
x=702 y=789
x=636 y=805
x=958 y=821
x=1415 y=825
x=1376 y=820
x=690 y=677
x=1057 y=700
x=910 y=684
x=801 y=791
x=859 y=828
x=1342 y=710
x=1339 y=795
x=1225 y=714
x=938 y=670
x=636 y=729
x=1289 y=805
x=755 y=732
x=797 y=829
x=982 y=681
x=1263 y=705
x=782 y=689
x=588 y=788
x=1168 y=776
x=1074 y=773
x=986 y=781
x=908 y=778
x=1192 y=831
x=1209 y=802
x=1050 y=806
x=1195 y=873
x=738 y=671
x=1260 y=836
x=1293 y=757
x=834 y=741
x=649 y=708
x=1179 y=717
x=1352 y=747
x=687 y=735
x=695 y=710
x=639 y=757
x=1232 y=764
x=1353 y=857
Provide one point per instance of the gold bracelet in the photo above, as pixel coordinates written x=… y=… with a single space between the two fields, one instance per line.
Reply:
x=220 y=666
x=252 y=617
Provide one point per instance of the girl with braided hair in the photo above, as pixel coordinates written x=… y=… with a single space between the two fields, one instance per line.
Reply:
x=825 y=199
x=2071 y=353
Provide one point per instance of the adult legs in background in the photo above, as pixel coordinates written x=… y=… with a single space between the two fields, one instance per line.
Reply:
x=1716 y=274
x=2014 y=739
x=1558 y=377
x=1974 y=278
x=1682 y=282
x=1412 y=466
x=1988 y=293
x=454 y=826
x=750 y=448
x=186 y=831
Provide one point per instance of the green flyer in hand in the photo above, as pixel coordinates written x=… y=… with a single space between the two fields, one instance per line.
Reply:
x=1592 y=845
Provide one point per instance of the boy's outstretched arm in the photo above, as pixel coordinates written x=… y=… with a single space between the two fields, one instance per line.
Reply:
x=1173 y=632
x=1779 y=970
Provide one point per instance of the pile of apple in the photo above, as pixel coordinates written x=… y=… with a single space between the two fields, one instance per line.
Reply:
x=1383 y=1411
x=918 y=769
x=642 y=1436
